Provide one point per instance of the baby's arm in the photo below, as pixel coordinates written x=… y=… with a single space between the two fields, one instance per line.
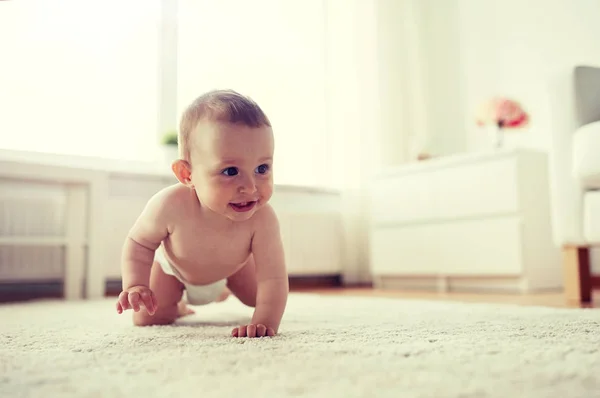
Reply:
x=271 y=273
x=143 y=239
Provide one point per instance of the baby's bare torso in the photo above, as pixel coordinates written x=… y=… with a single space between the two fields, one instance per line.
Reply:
x=203 y=248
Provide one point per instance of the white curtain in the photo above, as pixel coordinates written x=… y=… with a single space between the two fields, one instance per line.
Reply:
x=79 y=77
x=377 y=106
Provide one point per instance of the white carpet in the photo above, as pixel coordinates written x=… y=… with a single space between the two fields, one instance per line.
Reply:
x=328 y=347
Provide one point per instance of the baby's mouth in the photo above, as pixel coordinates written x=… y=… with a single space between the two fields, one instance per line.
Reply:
x=243 y=206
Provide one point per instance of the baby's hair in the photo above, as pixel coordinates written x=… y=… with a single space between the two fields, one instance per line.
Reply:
x=222 y=106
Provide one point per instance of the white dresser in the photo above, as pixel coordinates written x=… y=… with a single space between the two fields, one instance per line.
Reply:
x=468 y=222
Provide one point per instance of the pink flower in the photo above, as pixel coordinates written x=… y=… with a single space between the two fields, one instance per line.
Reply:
x=502 y=112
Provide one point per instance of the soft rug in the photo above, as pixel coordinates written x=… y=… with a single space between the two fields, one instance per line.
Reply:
x=329 y=346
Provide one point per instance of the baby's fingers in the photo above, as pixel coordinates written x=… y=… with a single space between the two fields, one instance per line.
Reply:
x=261 y=330
x=134 y=300
x=123 y=301
x=239 y=332
x=242 y=331
x=251 y=330
x=148 y=302
x=154 y=301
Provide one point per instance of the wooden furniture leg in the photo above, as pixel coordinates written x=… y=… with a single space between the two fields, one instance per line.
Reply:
x=577 y=274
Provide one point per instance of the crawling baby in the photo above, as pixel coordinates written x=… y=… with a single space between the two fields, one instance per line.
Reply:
x=214 y=232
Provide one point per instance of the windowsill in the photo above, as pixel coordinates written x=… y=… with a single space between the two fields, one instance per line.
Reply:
x=122 y=167
x=84 y=162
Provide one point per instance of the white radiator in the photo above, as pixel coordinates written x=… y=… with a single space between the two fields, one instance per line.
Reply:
x=32 y=230
x=34 y=221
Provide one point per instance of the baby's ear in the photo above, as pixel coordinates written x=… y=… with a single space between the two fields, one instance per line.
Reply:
x=183 y=172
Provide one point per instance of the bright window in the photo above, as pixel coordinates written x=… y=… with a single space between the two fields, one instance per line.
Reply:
x=82 y=77
x=79 y=77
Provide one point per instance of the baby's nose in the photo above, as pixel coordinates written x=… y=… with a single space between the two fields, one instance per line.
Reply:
x=247 y=185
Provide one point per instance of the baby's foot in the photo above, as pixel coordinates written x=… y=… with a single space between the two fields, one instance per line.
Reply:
x=183 y=309
x=223 y=296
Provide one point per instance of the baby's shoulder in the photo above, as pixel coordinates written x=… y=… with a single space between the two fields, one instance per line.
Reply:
x=176 y=194
x=170 y=199
x=266 y=217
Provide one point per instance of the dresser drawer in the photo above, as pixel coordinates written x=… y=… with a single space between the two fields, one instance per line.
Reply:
x=484 y=188
x=405 y=250
x=489 y=247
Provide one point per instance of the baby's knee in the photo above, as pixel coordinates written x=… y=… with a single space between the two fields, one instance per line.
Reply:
x=142 y=318
x=250 y=301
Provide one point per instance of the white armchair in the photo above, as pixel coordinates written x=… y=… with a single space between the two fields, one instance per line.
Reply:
x=575 y=170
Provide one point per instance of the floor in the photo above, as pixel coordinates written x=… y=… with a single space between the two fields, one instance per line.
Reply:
x=552 y=299
x=344 y=343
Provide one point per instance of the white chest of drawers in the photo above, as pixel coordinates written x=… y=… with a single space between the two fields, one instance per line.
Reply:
x=469 y=222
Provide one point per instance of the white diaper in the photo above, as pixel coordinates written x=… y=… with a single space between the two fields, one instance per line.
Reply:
x=196 y=294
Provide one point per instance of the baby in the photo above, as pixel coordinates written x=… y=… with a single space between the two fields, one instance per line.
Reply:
x=214 y=232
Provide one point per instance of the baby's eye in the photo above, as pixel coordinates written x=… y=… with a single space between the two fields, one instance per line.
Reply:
x=230 y=171
x=262 y=169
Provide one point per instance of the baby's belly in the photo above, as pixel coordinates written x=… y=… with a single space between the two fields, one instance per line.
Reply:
x=206 y=271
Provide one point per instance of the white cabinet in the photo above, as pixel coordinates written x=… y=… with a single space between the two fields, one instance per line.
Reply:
x=476 y=221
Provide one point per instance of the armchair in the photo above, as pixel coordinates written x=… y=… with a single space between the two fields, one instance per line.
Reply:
x=575 y=170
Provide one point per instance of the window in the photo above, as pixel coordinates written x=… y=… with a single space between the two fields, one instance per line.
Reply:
x=80 y=77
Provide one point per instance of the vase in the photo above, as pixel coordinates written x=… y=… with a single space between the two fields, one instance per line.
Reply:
x=497 y=137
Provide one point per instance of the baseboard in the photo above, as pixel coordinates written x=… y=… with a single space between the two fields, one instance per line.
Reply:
x=358 y=285
x=314 y=281
x=297 y=282
x=36 y=290
x=30 y=290
x=113 y=287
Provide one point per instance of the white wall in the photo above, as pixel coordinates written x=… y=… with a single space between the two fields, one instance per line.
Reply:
x=475 y=49
x=516 y=48
x=352 y=119
x=376 y=104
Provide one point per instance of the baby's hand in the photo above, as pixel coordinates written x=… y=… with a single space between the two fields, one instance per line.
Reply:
x=252 y=331
x=135 y=297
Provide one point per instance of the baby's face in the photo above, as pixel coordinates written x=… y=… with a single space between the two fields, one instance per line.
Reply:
x=231 y=168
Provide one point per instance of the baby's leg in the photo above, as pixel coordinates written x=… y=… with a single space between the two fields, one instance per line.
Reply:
x=183 y=309
x=243 y=283
x=168 y=291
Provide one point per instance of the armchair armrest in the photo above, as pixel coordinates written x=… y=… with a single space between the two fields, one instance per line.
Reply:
x=566 y=190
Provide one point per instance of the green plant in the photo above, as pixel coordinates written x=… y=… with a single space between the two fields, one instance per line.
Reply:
x=170 y=138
